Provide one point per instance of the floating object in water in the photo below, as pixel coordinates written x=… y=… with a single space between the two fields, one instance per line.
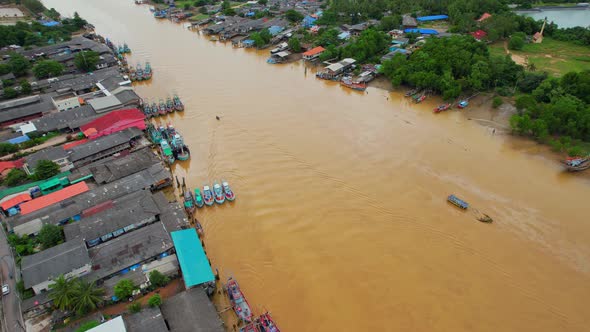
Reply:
x=217 y=117
x=458 y=202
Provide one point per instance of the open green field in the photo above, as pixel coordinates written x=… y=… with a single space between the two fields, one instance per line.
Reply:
x=553 y=56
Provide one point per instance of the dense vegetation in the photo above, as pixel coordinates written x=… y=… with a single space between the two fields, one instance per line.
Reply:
x=451 y=66
x=75 y=295
x=25 y=34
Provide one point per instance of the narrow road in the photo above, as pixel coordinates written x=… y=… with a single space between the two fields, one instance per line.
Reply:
x=11 y=315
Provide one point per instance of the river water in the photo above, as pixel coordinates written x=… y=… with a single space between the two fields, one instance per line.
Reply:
x=341 y=222
x=564 y=18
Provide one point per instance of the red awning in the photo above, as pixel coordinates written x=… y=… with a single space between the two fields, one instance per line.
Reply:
x=16 y=200
x=54 y=197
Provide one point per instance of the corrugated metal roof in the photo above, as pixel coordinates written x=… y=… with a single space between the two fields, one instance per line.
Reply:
x=314 y=51
x=16 y=200
x=53 y=198
x=193 y=261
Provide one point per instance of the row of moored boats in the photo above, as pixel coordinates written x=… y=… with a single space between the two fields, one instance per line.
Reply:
x=170 y=142
x=140 y=73
x=218 y=193
x=262 y=323
x=163 y=107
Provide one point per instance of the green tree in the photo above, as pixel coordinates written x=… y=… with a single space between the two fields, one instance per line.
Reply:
x=134 y=307
x=47 y=68
x=155 y=301
x=78 y=21
x=15 y=177
x=10 y=93
x=46 y=169
x=5 y=68
x=157 y=279
x=86 y=60
x=87 y=297
x=25 y=87
x=516 y=43
x=63 y=293
x=263 y=2
x=187 y=6
x=294 y=45
x=124 y=288
x=497 y=102
x=293 y=15
x=50 y=235
x=389 y=23
x=18 y=64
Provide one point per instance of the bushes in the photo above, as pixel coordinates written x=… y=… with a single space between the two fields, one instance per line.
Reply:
x=516 y=43
x=134 y=307
x=155 y=301
x=157 y=279
x=497 y=102
x=124 y=289
x=48 y=68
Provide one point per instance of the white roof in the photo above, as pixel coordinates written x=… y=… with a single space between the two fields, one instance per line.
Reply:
x=335 y=67
x=104 y=102
x=347 y=61
x=113 y=325
x=27 y=128
x=206 y=188
x=283 y=54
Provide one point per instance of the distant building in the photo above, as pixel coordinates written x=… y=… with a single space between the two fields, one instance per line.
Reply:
x=24 y=109
x=409 y=22
x=66 y=102
x=484 y=17
x=479 y=34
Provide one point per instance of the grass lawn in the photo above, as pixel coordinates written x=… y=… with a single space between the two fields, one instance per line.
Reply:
x=199 y=17
x=553 y=56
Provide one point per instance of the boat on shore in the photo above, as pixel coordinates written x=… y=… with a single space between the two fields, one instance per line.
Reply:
x=229 y=194
x=189 y=202
x=419 y=98
x=411 y=92
x=199 y=198
x=458 y=202
x=442 y=108
x=178 y=105
x=238 y=301
x=576 y=164
x=218 y=193
x=208 y=196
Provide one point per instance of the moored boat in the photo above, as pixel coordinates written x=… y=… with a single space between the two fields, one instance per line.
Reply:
x=208 y=196
x=458 y=202
x=189 y=203
x=348 y=82
x=198 y=198
x=463 y=104
x=238 y=301
x=178 y=105
x=169 y=105
x=154 y=134
x=442 y=108
x=267 y=324
x=138 y=73
x=218 y=193
x=155 y=109
x=420 y=99
x=166 y=152
x=576 y=164
x=126 y=48
x=147 y=71
x=229 y=194
x=162 y=107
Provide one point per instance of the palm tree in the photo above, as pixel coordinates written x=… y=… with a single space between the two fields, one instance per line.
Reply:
x=88 y=296
x=62 y=293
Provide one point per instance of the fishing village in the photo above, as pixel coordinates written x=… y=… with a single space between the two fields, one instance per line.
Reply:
x=117 y=186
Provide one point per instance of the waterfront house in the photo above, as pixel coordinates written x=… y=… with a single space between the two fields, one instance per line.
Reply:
x=309 y=21
x=313 y=54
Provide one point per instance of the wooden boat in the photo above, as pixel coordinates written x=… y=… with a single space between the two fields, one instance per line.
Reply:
x=266 y=323
x=154 y=134
x=169 y=105
x=411 y=92
x=147 y=71
x=420 y=99
x=238 y=301
x=189 y=202
x=218 y=193
x=208 y=196
x=139 y=73
x=349 y=83
x=178 y=105
x=198 y=198
x=442 y=108
x=577 y=164
x=229 y=194
x=167 y=152
x=458 y=202
x=162 y=107
x=155 y=109
x=199 y=227
x=463 y=104
x=126 y=48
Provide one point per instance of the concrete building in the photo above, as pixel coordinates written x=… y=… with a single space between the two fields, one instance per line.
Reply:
x=69 y=259
x=103 y=147
x=55 y=153
x=191 y=311
x=24 y=109
x=66 y=101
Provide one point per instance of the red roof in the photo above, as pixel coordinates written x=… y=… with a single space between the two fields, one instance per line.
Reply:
x=4 y=165
x=114 y=122
x=314 y=51
x=484 y=17
x=16 y=200
x=75 y=143
x=53 y=198
x=479 y=34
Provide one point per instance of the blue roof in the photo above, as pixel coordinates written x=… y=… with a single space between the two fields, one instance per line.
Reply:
x=19 y=139
x=49 y=23
x=344 y=35
x=308 y=21
x=248 y=41
x=432 y=18
x=422 y=31
x=193 y=261
x=275 y=30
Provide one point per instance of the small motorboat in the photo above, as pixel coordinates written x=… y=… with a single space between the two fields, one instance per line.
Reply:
x=576 y=164
x=198 y=198
x=458 y=202
x=218 y=193
x=266 y=323
x=189 y=202
x=420 y=99
x=239 y=302
x=463 y=104
x=208 y=196
x=229 y=194
x=411 y=93
x=442 y=108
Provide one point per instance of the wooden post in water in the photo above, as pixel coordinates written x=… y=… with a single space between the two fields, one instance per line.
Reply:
x=183 y=183
x=177 y=182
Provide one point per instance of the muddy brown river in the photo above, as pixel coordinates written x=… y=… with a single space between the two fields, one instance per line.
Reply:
x=341 y=222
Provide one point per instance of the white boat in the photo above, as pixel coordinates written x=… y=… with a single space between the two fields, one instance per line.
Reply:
x=208 y=195
x=218 y=193
x=229 y=194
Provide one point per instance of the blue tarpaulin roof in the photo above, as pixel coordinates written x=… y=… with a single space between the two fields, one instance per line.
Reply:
x=248 y=42
x=432 y=18
x=422 y=31
x=308 y=21
x=49 y=23
x=275 y=30
x=18 y=140
x=193 y=261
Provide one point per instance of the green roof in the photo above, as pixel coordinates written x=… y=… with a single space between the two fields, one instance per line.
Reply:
x=26 y=186
x=193 y=261
x=49 y=184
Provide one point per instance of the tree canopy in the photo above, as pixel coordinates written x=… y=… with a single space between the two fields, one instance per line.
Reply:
x=47 y=68
x=18 y=64
x=86 y=60
x=155 y=301
x=124 y=289
x=62 y=292
x=157 y=279
x=293 y=15
x=46 y=169
x=50 y=235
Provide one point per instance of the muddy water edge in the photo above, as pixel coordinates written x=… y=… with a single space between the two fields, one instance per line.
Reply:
x=340 y=222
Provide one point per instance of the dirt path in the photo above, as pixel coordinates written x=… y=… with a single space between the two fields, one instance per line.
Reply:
x=519 y=59
x=173 y=288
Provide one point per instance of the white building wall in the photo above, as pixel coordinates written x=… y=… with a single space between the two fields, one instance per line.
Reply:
x=44 y=286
